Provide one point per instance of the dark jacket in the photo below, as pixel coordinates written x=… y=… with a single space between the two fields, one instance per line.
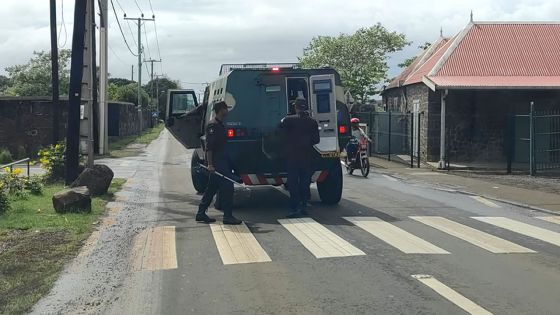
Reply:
x=216 y=138
x=299 y=134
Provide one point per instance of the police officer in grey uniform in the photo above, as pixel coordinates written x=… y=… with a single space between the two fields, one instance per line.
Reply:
x=218 y=161
x=300 y=133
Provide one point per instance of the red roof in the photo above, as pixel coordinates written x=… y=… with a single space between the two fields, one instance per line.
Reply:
x=494 y=55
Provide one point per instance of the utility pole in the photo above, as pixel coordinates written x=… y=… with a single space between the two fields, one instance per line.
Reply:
x=132 y=74
x=103 y=74
x=55 y=110
x=89 y=88
x=139 y=25
x=74 y=98
x=151 y=61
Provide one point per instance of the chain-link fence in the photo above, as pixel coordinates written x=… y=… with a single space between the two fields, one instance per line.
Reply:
x=395 y=136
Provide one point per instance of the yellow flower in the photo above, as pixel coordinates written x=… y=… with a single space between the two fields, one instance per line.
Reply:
x=57 y=146
x=17 y=171
x=7 y=169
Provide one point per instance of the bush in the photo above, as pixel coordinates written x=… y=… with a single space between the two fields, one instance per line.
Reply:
x=5 y=156
x=34 y=185
x=4 y=202
x=52 y=159
x=12 y=183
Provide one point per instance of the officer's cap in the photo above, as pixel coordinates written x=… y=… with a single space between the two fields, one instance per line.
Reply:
x=300 y=103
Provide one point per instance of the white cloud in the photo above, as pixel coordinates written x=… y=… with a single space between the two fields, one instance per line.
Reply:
x=197 y=36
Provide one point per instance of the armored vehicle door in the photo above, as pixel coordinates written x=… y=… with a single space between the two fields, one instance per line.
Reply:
x=184 y=117
x=323 y=108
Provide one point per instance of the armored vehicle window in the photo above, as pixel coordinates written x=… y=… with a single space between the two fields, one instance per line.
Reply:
x=296 y=87
x=182 y=103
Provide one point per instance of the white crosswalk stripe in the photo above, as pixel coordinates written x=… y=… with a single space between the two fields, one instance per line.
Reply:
x=319 y=240
x=485 y=201
x=394 y=236
x=478 y=238
x=552 y=219
x=237 y=245
x=451 y=295
x=523 y=228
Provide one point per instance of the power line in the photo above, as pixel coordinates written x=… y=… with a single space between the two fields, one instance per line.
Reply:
x=147 y=42
x=155 y=31
x=120 y=28
x=139 y=7
x=62 y=26
x=117 y=56
x=151 y=9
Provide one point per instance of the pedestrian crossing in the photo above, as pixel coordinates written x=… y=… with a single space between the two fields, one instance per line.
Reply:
x=238 y=245
x=319 y=240
x=394 y=236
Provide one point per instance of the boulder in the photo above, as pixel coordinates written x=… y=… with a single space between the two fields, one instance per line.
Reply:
x=75 y=199
x=96 y=178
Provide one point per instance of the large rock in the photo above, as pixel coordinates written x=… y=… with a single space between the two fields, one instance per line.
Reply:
x=75 y=199
x=97 y=179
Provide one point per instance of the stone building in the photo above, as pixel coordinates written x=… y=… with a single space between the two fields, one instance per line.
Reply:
x=466 y=87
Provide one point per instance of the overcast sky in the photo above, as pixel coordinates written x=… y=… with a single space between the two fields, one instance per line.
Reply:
x=197 y=36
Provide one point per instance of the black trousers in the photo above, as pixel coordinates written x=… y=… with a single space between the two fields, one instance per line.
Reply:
x=299 y=180
x=225 y=188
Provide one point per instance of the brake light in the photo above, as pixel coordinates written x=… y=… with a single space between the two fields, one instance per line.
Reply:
x=275 y=69
x=231 y=133
x=342 y=129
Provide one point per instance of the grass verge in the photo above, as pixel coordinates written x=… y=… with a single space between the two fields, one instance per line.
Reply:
x=118 y=146
x=36 y=242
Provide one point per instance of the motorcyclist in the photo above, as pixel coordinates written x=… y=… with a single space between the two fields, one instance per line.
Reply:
x=359 y=135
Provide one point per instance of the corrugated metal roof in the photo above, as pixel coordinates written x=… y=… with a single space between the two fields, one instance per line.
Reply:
x=519 y=82
x=495 y=54
x=506 y=50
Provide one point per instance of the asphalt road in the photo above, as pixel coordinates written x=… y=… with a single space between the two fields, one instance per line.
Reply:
x=390 y=247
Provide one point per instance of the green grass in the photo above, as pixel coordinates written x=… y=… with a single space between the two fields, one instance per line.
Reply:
x=36 y=242
x=118 y=146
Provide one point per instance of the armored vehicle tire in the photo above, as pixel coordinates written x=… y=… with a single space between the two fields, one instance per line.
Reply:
x=330 y=190
x=198 y=174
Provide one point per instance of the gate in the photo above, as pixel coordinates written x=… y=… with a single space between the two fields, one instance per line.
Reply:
x=535 y=141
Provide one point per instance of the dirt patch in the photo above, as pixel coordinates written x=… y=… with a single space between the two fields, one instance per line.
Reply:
x=30 y=261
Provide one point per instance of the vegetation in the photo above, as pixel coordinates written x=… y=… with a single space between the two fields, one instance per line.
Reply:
x=118 y=147
x=360 y=58
x=53 y=160
x=34 y=77
x=36 y=242
x=127 y=93
x=407 y=62
x=5 y=156
x=161 y=86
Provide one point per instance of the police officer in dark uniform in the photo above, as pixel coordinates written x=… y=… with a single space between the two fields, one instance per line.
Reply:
x=218 y=161
x=300 y=133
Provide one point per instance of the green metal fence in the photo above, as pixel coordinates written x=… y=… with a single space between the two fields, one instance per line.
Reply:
x=535 y=141
x=393 y=135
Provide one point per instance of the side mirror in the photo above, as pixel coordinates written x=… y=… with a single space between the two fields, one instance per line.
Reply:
x=170 y=122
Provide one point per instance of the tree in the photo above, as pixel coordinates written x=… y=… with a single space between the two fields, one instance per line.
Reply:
x=360 y=58
x=34 y=77
x=161 y=86
x=120 y=81
x=410 y=60
x=4 y=83
x=127 y=93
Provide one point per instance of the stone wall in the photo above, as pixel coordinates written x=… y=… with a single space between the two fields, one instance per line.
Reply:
x=477 y=121
x=26 y=122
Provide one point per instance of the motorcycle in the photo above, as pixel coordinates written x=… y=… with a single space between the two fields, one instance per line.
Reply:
x=360 y=160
